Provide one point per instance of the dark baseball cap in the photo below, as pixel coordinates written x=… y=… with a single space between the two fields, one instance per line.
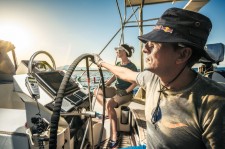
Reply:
x=181 y=26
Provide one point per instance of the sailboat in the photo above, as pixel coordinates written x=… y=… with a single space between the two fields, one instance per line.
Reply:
x=42 y=107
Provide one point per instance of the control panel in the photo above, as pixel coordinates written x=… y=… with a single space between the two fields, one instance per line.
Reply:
x=32 y=86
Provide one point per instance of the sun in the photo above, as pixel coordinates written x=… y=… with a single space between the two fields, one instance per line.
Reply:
x=19 y=36
x=15 y=34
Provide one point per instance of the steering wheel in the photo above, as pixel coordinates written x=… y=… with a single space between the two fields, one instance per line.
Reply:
x=30 y=69
x=60 y=94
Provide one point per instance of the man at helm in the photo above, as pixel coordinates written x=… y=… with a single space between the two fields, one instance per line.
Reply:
x=183 y=109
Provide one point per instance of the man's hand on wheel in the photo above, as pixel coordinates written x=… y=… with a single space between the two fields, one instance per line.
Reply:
x=97 y=60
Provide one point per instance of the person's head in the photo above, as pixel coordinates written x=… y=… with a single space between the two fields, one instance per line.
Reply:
x=180 y=32
x=124 y=50
x=164 y=57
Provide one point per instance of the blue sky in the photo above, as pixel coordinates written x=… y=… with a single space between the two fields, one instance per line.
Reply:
x=67 y=29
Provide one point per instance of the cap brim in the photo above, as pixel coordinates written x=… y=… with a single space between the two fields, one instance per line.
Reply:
x=161 y=36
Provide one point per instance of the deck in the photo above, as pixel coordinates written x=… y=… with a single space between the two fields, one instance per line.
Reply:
x=137 y=135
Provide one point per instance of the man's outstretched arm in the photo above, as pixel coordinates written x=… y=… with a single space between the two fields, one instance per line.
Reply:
x=121 y=72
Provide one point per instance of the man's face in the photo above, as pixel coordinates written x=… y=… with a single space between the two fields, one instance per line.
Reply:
x=160 y=57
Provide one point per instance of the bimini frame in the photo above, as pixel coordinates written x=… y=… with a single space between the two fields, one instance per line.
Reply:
x=193 y=5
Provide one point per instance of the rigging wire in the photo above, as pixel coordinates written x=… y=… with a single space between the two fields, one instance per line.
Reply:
x=122 y=24
x=125 y=11
x=135 y=14
x=122 y=27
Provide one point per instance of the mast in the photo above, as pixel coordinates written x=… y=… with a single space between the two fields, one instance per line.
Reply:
x=141 y=33
x=142 y=92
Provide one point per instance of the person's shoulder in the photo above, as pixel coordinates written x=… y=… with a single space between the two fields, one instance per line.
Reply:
x=208 y=95
x=211 y=87
x=211 y=83
x=147 y=79
x=148 y=74
x=133 y=65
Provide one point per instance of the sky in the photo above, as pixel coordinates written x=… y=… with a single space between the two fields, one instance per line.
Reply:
x=66 y=29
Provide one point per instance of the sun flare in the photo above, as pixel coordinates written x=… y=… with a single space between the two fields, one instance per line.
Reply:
x=15 y=34
x=18 y=35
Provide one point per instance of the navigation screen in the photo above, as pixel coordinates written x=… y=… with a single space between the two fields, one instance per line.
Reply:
x=52 y=81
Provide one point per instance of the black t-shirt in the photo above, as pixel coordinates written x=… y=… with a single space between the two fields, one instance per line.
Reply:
x=121 y=84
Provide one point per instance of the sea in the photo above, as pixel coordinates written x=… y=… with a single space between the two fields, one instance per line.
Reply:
x=215 y=68
x=81 y=77
x=220 y=68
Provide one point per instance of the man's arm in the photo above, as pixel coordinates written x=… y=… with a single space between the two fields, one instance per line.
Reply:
x=214 y=124
x=121 y=72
